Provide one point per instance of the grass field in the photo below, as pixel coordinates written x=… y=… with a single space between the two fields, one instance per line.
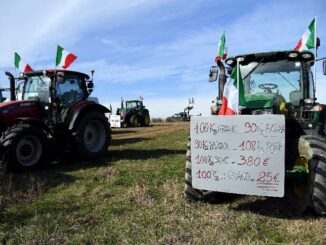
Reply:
x=134 y=195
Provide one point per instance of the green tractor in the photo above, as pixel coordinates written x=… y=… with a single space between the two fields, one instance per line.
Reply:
x=281 y=83
x=133 y=113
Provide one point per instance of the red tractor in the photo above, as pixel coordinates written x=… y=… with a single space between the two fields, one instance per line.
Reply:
x=54 y=112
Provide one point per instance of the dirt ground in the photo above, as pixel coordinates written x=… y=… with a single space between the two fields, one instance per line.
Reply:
x=154 y=128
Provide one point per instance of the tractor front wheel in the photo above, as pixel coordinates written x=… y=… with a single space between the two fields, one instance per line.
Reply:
x=133 y=121
x=191 y=192
x=310 y=192
x=92 y=135
x=24 y=147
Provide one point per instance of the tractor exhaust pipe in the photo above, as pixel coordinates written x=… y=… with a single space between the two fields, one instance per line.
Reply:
x=12 y=85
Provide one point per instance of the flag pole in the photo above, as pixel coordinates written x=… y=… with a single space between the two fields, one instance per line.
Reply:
x=238 y=84
x=315 y=66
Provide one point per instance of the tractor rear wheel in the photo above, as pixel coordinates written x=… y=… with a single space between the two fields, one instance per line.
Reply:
x=24 y=146
x=133 y=121
x=189 y=190
x=310 y=193
x=92 y=135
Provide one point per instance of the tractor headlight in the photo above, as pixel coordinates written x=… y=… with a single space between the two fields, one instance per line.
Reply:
x=262 y=112
x=306 y=55
x=293 y=55
x=240 y=59
x=229 y=62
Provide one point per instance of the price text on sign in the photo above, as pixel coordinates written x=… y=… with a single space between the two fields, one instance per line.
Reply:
x=239 y=154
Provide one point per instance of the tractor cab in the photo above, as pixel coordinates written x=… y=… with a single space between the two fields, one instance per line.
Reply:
x=137 y=104
x=56 y=90
x=277 y=82
x=274 y=83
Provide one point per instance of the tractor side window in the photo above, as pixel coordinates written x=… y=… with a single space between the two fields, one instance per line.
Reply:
x=69 y=90
x=311 y=86
x=139 y=105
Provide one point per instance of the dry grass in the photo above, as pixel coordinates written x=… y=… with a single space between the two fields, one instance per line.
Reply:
x=134 y=195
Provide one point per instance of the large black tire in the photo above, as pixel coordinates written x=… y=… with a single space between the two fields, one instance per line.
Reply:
x=146 y=119
x=311 y=193
x=24 y=147
x=92 y=135
x=133 y=121
x=191 y=192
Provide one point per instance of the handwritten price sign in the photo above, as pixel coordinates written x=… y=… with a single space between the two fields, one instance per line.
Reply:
x=239 y=154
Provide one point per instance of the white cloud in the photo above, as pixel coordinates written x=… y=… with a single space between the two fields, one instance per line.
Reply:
x=182 y=58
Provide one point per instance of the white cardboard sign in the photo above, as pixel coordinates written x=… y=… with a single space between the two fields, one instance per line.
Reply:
x=115 y=121
x=239 y=154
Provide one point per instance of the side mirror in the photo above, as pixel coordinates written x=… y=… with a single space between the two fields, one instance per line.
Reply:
x=324 y=67
x=213 y=72
x=90 y=85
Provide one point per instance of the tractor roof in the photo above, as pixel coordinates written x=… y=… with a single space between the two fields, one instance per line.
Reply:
x=271 y=56
x=38 y=72
x=133 y=100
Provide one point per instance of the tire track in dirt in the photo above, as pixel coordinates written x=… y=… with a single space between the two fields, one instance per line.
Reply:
x=129 y=133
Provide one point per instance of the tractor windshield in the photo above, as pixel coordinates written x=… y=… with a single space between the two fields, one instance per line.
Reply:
x=133 y=104
x=273 y=82
x=37 y=87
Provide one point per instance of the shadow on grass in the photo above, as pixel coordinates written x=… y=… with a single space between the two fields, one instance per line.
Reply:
x=273 y=207
x=68 y=162
x=127 y=141
x=132 y=154
x=26 y=188
x=125 y=131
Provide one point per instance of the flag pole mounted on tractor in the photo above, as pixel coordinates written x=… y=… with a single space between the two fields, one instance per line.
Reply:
x=238 y=84
x=315 y=66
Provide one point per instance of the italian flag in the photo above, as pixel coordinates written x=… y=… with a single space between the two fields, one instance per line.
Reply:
x=232 y=96
x=222 y=50
x=307 y=41
x=21 y=65
x=64 y=58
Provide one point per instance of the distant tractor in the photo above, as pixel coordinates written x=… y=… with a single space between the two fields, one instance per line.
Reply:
x=281 y=83
x=133 y=113
x=183 y=116
x=54 y=114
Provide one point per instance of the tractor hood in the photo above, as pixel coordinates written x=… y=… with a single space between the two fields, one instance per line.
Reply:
x=11 y=110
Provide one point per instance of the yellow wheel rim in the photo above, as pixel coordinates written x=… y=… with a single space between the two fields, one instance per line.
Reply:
x=300 y=188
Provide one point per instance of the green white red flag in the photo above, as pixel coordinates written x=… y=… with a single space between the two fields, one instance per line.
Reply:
x=222 y=50
x=64 y=58
x=307 y=41
x=232 y=95
x=21 y=65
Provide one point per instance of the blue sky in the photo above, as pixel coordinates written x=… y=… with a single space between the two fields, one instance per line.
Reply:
x=161 y=50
